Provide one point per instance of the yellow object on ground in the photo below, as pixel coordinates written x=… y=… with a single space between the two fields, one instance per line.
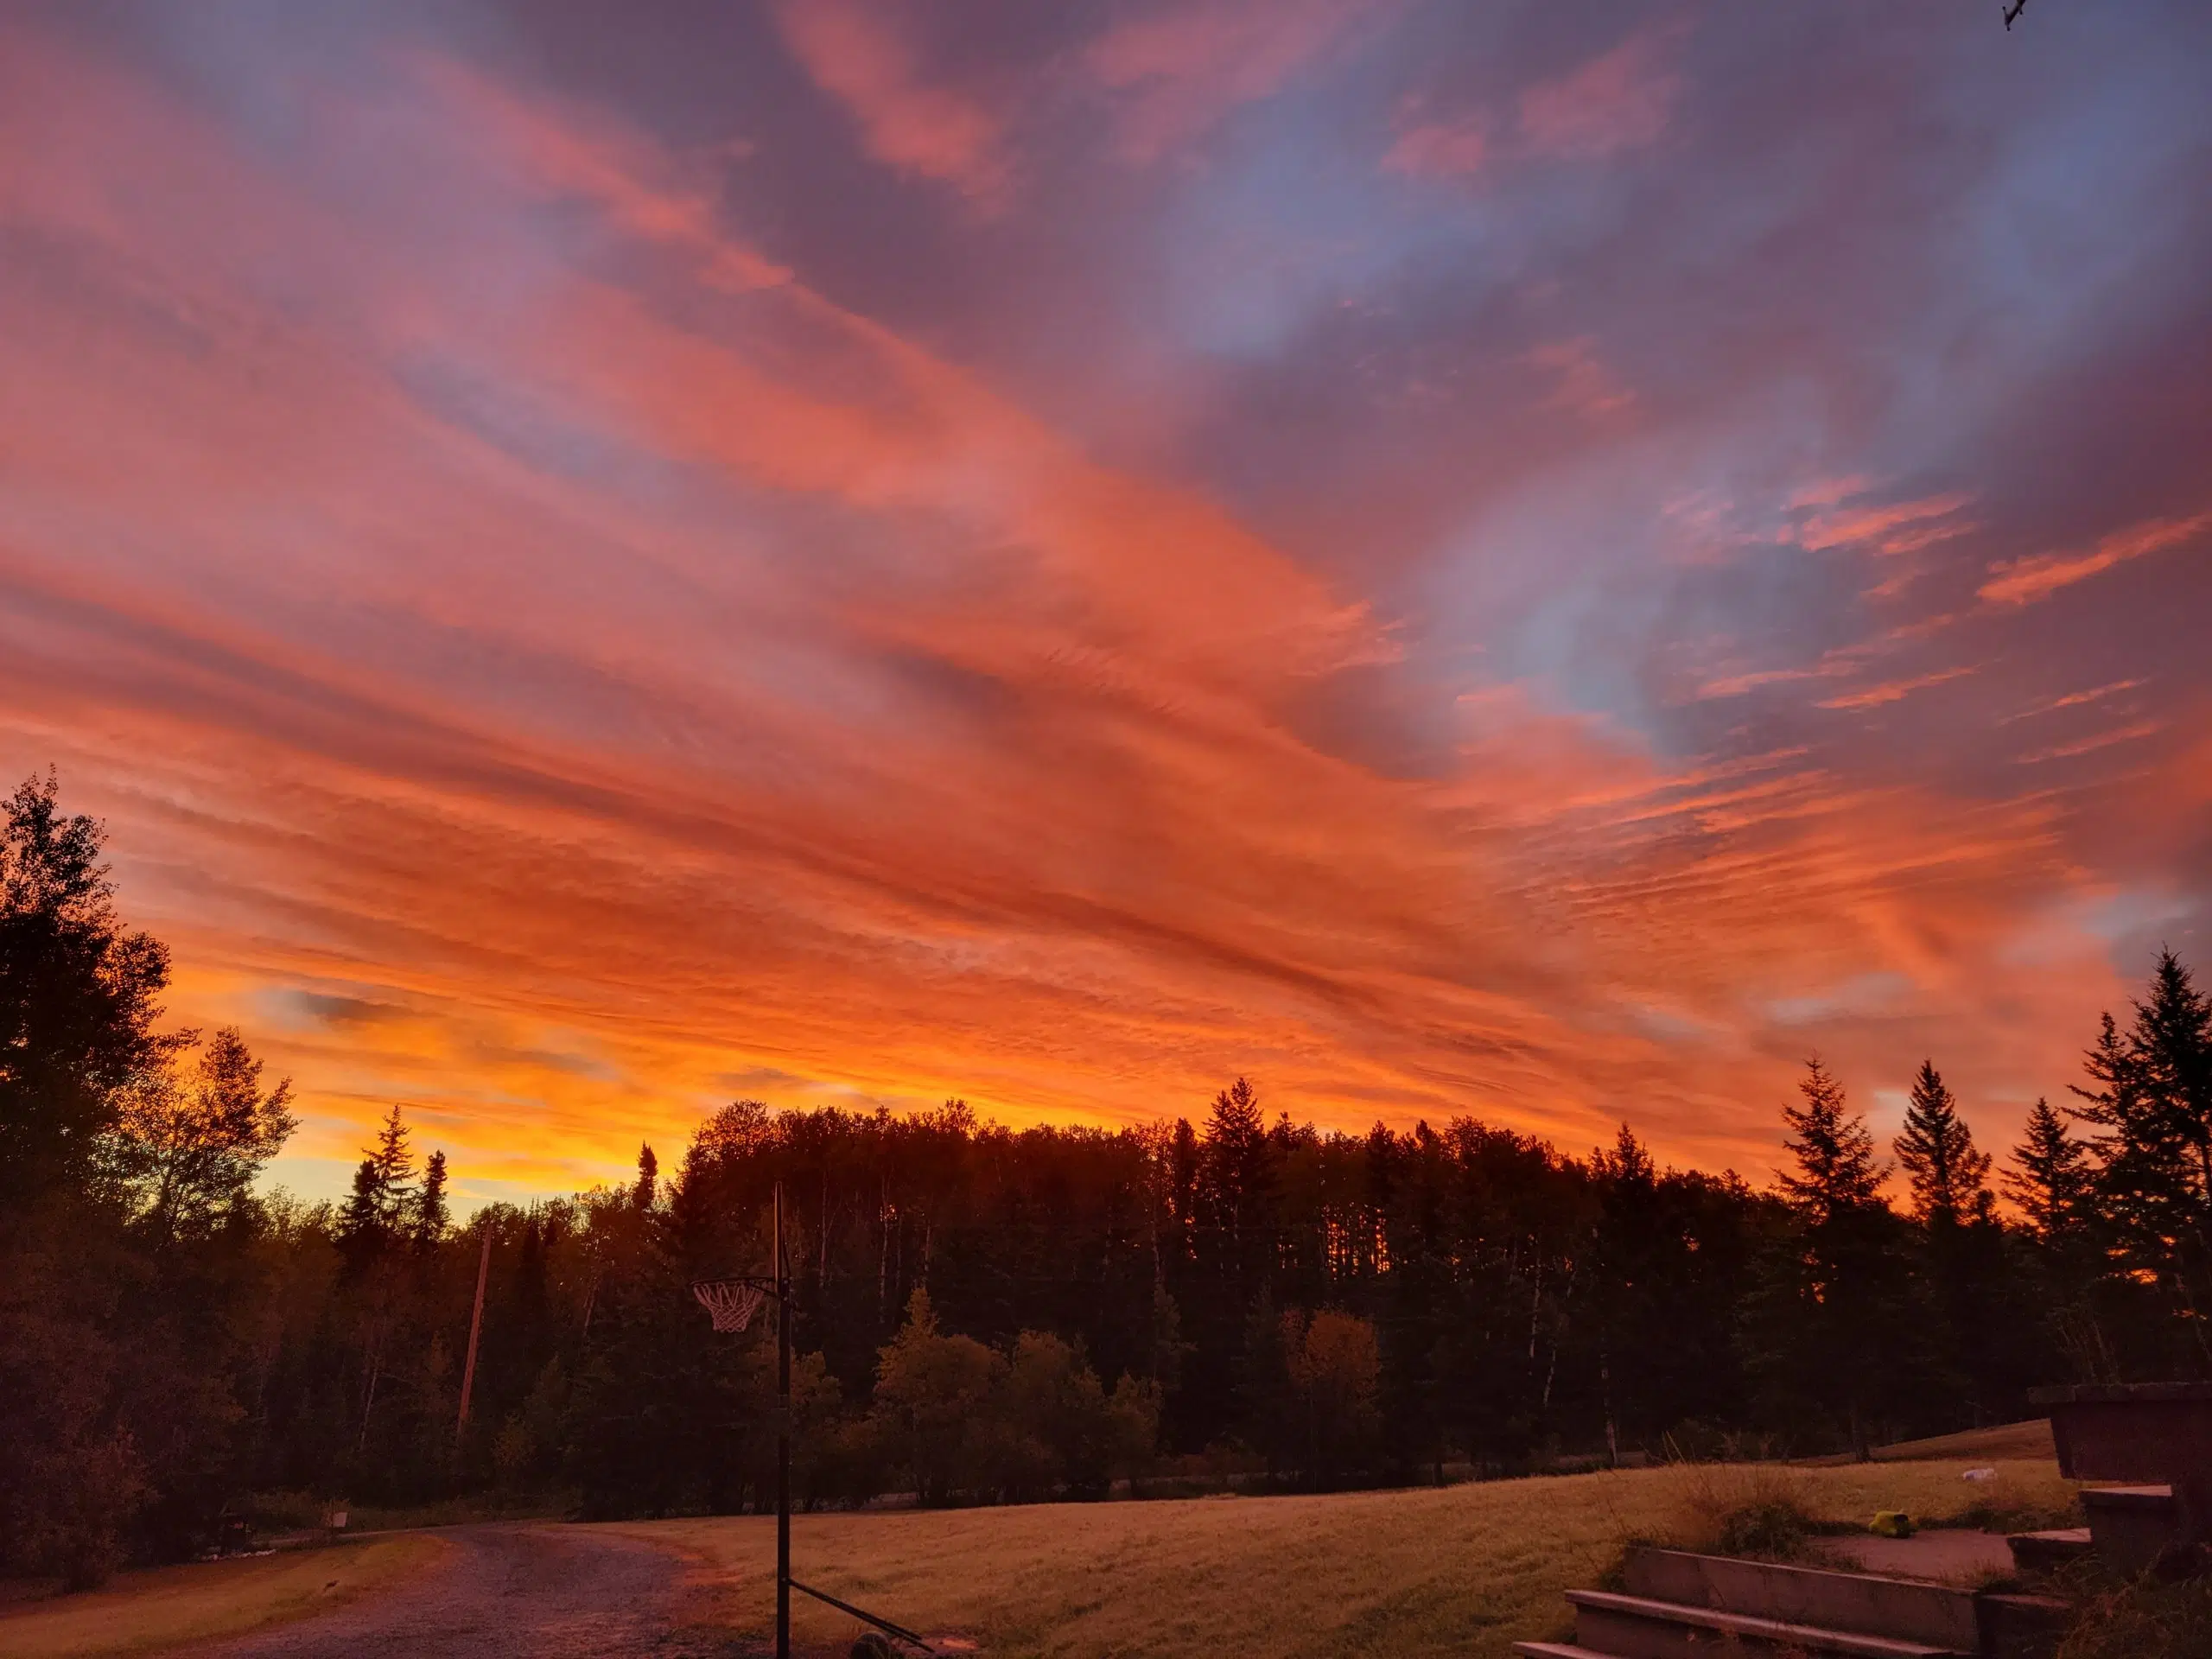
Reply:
x=139 y=1612
x=1891 y=1524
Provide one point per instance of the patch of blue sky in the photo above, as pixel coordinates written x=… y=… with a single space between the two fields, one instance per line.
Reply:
x=1863 y=994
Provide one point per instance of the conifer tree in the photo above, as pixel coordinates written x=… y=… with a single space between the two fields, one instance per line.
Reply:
x=1833 y=1150
x=1233 y=1175
x=642 y=1195
x=383 y=1188
x=2153 y=1096
x=2050 y=1179
x=1948 y=1174
x=431 y=1212
x=1839 y=1335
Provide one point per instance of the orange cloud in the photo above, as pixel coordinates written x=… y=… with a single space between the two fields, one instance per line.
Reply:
x=2022 y=581
x=2127 y=734
x=563 y=702
x=1897 y=527
x=1875 y=697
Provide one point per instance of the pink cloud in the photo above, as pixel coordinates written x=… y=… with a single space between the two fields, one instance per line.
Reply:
x=1875 y=697
x=1012 y=802
x=2022 y=581
x=2127 y=734
x=1895 y=528
x=859 y=54
x=1584 y=386
x=1177 y=71
x=1440 y=149
x=1618 y=101
x=2072 y=700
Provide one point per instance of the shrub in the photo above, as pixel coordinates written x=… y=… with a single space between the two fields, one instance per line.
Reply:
x=1752 y=1510
x=2144 y=1620
x=70 y=1523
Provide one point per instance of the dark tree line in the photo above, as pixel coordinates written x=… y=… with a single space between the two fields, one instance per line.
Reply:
x=987 y=1314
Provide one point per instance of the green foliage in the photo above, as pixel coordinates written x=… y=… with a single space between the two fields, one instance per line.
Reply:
x=1773 y=1530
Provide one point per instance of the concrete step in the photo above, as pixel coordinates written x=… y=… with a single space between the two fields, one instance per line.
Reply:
x=2131 y=1526
x=1637 y=1627
x=2038 y=1552
x=1869 y=1604
x=2022 y=1627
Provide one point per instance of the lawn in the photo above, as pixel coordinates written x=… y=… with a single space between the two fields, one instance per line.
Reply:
x=1463 y=1571
x=162 y=1607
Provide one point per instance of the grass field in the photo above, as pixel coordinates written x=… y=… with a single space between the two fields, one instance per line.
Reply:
x=142 y=1612
x=2026 y=1439
x=1463 y=1570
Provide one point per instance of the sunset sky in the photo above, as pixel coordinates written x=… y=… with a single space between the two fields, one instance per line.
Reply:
x=1532 y=560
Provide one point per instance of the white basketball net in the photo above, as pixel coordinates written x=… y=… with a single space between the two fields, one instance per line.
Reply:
x=731 y=1303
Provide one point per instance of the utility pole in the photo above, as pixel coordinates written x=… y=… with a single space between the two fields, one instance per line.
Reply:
x=475 y=1325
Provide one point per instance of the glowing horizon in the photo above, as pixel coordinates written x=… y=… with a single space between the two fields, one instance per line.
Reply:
x=1534 y=566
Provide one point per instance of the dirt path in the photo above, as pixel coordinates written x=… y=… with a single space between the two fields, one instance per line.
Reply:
x=507 y=1592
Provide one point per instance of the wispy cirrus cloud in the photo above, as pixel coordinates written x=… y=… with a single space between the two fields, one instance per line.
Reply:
x=1875 y=697
x=863 y=54
x=564 y=604
x=2072 y=700
x=1618 y=101
x=2023 y=581
x=1621 y=100
x=1174 y=71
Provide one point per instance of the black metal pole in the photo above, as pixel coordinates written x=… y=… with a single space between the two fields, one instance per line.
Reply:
x=783 y=1441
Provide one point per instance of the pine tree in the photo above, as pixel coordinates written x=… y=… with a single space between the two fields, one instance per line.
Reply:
x=2153 y=1096
x=1948 y=1174
x=376 y=1211
x=1837 y=1331
x=1835 y=1151
x=431 y=1214
x=1235 y=1180
x=642 y=1195
x=2051 y=1179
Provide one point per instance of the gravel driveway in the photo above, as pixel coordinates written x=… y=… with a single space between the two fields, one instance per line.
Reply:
x=528 y=1592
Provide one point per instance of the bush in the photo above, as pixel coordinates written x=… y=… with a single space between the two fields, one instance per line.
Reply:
x=70 y=1521
x=1756 y=1510
x=1774 y=1530
x=2145 y=1620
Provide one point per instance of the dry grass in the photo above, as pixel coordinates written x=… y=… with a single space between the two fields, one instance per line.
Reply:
x=2031 y=1438
x=140 y=1612
x=1468 y=1570
x=2028 y=1440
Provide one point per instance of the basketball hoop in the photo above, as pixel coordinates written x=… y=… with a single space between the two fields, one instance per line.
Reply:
x=731 y=1303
